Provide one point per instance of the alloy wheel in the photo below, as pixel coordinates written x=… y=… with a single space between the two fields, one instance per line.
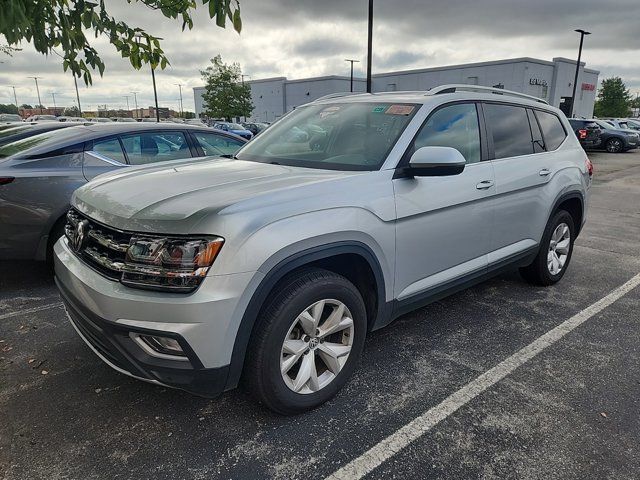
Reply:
x=317 y=346
x=559 y=249
x=614 y=146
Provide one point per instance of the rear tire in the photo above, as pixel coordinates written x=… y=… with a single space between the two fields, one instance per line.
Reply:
x=555 y=252
x=614 y=145
x=294 y=341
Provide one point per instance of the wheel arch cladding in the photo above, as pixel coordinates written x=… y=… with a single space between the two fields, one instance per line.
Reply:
x=354 y=260
x=573 y=203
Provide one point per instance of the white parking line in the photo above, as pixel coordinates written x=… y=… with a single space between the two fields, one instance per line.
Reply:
x=402 y=437
x=30 y=310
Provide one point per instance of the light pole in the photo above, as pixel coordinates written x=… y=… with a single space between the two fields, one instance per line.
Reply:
x=369 y=46
x=351 y=62
x=135 y=99
x=38 y=90
x=127 y=98
x=55 y=108
x=75 y=80
x=181 y=109
x=14 y=94
x=153 y=79
x=575 y=81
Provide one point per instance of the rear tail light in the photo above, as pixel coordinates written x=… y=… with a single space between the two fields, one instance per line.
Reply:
x=589 y=166
x=6 y=180
x=582 y=134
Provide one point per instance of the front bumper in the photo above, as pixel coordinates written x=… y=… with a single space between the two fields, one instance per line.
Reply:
x=105 y=314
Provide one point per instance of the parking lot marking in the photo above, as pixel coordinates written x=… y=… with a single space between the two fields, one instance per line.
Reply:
x=30 y=310
x=404 y=436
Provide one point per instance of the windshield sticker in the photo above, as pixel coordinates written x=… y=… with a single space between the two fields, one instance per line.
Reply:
x=378 y=109
x=329 y=111
x=400 y=110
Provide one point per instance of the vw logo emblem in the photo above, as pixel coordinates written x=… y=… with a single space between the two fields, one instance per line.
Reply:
x=313 y=343
x=80 y=235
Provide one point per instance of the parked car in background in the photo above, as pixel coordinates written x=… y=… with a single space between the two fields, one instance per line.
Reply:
x=616 y=140
x=254 y=127
x=633 y=123
x=274 y=267
x=195 y=121
x=98 y=120
x=234 y=128
x=38 y=174
x=10 y=118
x=42 y=118
x=624 y=124
x=26 y=130
x=123 y=119
x=588 y=132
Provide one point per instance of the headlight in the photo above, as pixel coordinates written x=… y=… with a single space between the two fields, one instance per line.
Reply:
x=173 y=264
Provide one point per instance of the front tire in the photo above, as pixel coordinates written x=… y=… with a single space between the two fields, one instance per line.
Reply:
x=555 y=252
x=307 y=343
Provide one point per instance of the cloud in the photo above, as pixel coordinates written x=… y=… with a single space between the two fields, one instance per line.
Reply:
x=299 y=38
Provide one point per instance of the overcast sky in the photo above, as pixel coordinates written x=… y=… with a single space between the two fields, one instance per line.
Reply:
x=301 y=38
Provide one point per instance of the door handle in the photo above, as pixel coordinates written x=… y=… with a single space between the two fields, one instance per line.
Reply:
x=484 y=185
x=544 y=172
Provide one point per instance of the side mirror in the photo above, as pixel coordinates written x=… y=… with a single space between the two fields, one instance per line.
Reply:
x=436 y=162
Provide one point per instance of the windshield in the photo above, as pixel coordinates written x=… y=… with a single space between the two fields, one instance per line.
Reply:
x=234 y=126
x=337 y=136
x=605 y=125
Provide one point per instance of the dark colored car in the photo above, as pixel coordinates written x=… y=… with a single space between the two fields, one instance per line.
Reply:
x=254 y=127
x=588 y=132
x=234 y=128
x=27 y=130
x=612 y=139
x=38 y=174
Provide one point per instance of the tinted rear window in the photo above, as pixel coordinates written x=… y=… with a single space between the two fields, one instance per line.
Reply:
x=552 y=129
x=510 y=130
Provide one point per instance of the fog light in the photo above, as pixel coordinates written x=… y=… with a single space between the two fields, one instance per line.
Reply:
x=164 y=345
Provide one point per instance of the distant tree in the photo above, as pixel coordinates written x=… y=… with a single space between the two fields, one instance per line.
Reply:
x=635 y=103
x=188 y=114
x=225 y=95
x=26 y=106
x=67 y=25
x=614 y=99
x=9 y=108
x=71 y=111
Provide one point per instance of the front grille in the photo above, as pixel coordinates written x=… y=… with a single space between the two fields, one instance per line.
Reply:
x=101 y=247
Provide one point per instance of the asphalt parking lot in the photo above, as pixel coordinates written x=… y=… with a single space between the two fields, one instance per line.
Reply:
x=570 y=409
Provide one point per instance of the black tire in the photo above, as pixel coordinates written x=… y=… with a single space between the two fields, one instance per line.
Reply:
x=262 y=375
x=614 y=145
x=538 y=273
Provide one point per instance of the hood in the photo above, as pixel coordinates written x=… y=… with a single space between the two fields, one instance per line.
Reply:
x=186 y=190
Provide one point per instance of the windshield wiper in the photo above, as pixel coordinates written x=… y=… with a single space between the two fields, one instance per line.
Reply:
x=228 y=155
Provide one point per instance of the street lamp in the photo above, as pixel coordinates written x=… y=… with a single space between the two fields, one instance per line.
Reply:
x=14 y=94
x=575 y=81
x=369 y=46
x=135 y=100
x=351 y=62
x=138 y=36
x=55 y=107
x=75 y=80
x=127 y=98
x=179 y=85
x=38 y=90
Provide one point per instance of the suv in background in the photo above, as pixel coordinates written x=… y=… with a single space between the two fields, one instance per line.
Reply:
x=588 y=132
x=273 y=266
x=616 y=140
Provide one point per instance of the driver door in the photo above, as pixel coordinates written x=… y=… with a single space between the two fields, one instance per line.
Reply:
x=443 y=228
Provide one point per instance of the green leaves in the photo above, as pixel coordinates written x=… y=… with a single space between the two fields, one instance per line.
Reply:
x=64 y=24
x=225 y=95
x=614 y=99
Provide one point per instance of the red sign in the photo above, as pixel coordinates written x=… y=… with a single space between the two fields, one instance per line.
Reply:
x=588 y=86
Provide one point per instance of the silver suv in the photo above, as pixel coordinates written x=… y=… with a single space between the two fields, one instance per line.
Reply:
x=271 y=267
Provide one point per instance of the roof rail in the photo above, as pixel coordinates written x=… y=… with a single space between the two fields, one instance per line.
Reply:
x=338 y=95
x=451 y=88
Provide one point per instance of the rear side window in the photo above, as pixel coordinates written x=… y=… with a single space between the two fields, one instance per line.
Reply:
x=552 y=129
x=453 y=126
x=109 y=148
x=509 y=127
x=536 y=134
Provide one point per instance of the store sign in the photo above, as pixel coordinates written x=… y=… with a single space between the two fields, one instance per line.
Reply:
x=538 y=81
x=588 y=86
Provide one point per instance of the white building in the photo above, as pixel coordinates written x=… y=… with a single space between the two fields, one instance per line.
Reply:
x=551 y=81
